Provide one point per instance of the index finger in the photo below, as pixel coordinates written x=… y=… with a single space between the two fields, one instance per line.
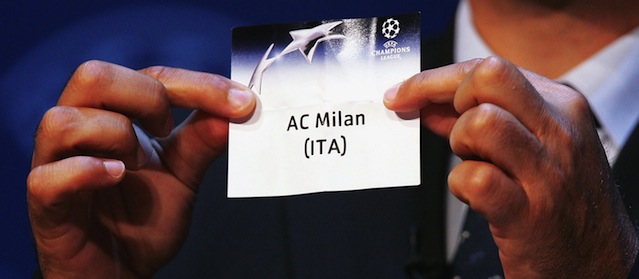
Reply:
x=148 y=94
x=434 y=86
x=207 y=92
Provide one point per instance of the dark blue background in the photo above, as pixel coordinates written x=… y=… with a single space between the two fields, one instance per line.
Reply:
x=44 y=41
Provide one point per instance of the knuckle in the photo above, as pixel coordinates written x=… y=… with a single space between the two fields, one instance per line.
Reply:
x=57 y=121
x=474 y=181
x=215 y=82
x=156 y=96
x=37 y=195
x=491 y=70
x=477 y=123
x=480 y=181
x=35 y=198
x=417 y=80
x=494 y=75
x=156 y=100
x=580 y=106
x=484 y=118
x=157 y=73
x=92 y=74
x=38 y=192
x=34 y=180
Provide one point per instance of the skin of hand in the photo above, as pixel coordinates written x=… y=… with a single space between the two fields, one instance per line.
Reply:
x=104 y=199
x=533 y=167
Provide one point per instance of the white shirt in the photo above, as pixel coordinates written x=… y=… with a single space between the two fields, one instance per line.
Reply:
x=609 y=80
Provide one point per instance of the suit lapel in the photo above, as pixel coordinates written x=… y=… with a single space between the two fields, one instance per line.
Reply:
x=626 y=172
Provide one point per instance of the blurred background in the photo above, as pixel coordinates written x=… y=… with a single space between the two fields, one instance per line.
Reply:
x=44 y=41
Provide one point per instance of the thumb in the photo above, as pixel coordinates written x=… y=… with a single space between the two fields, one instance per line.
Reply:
x=189 y=150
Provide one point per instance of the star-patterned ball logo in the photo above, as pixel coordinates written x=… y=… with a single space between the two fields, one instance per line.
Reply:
x=390 y=28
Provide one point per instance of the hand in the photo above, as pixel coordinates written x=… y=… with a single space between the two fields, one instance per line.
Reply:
x=104 y=199
x=533 y=167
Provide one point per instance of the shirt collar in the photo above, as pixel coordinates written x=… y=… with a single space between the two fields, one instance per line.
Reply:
x=615 y=100
x=608 y=79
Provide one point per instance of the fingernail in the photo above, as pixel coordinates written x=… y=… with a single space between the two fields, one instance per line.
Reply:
x=114 y=168
x=240 y=98
x=391 y=93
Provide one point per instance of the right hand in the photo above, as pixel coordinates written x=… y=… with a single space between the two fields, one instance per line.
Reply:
x=107 y=201
x=533 y=167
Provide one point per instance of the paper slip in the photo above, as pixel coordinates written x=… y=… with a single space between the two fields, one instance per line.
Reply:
x=320 y=123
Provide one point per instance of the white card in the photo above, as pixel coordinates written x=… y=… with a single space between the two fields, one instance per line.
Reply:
x=320 y=123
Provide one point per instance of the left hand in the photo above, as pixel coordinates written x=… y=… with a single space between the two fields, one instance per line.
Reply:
x=533 y=167
x=105 y=199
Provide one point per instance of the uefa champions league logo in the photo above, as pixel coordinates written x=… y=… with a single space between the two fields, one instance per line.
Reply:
x=390 y=28
x=392 y=49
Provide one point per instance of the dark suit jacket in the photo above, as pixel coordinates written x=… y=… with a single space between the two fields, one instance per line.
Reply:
x=626 y=172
